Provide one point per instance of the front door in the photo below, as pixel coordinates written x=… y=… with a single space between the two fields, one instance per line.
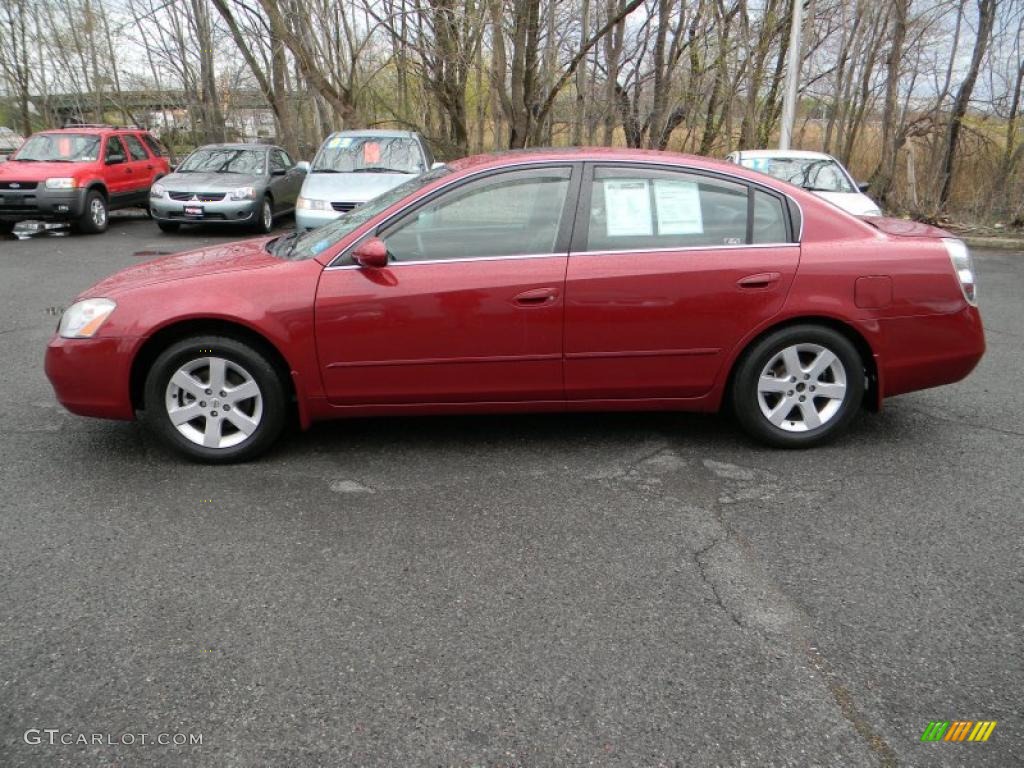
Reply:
x=668 y=271
x=469 y=309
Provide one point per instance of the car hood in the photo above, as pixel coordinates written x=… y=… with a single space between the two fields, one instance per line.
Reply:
x=851 y=202
x=16 y=170
x=905 y=227
x=205 y=182
x=244 y=255
x=350 y=187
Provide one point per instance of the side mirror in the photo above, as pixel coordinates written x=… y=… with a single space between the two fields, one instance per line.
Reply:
x=371 y=253
x=435 y=166
x=302 y=166
x=863 y=186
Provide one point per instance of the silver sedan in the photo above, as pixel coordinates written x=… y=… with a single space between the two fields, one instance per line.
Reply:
x=243 y=184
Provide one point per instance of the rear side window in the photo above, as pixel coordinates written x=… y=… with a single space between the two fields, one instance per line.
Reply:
x=135 y=148
x=769 y=219
x=155 y=146
x=635 y=209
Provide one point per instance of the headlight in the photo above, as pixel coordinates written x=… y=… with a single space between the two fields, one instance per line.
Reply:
x=62 y=182
x=963 y=265
x=313 y=205
x=157 y=190
x=242 y=193
x=83 y=318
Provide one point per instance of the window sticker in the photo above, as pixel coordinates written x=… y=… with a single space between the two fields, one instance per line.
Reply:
x=761 y=164
x=319 y=247
x=627 y=204
x=678 y=204
x=371 y=152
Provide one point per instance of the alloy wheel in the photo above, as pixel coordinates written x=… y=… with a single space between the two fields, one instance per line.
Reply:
x=98 y=212
x=214 y=402
x=802 y=387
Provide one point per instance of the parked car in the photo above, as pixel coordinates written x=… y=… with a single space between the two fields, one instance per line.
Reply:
x=814 y=171
x=551 y=280
x=9 y=142
x=240 y=184
x=80 y=174
x=352 y=167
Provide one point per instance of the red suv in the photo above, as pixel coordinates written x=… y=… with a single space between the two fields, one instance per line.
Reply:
x=79 y=174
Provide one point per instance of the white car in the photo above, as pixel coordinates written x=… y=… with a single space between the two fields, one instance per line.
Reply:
x=815 y=172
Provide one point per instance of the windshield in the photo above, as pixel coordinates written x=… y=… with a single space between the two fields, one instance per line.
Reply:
x=814 y=174
x=60 y=148
x=318 y=240
x=368 y=154
x=224 y=160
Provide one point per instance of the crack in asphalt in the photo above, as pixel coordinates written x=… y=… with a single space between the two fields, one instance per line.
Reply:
x=702 y=571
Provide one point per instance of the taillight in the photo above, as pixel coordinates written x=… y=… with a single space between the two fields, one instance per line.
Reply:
x=963 y=266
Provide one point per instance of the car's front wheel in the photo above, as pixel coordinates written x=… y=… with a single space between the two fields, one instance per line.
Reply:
x=94 y=218
x=264 y=222
x=799 y=386
x=215 y=399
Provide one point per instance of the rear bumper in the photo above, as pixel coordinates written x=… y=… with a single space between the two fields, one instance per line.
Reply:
x=91 y=376
x=929 y=351
x=41 y=203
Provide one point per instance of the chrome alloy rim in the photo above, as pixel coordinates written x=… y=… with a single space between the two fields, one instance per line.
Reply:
x=802 y=387
x=268 y=215
x=98 y=212
x=214 y=402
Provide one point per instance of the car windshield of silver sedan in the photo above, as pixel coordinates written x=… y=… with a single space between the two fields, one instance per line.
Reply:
x=296 y=247
x=813 y=174
x=368 y=154
x=246 y=161
x=59 y=148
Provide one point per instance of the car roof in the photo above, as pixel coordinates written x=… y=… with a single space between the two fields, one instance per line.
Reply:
x=97 y=129
x=237 y=145
x=797 y=153
x=382 y=133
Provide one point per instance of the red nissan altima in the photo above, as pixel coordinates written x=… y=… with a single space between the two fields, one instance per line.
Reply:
x=550 y=280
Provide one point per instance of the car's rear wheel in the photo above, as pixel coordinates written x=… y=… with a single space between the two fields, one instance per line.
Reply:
x=264 y=222
x=799 y=386
x=168 y=226
x=215 y=399
x=94 y=218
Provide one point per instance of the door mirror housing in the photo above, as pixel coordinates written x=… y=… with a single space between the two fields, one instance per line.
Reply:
x=863 y=186
x=372 y=253
x=435 y=166
x=302 y=166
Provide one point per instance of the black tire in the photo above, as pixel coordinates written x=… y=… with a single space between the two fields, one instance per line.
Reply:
x=747 y=399
x=168 y=226
x=264 y=222
x=6 y=227
x=96 y=216
x=192 y=351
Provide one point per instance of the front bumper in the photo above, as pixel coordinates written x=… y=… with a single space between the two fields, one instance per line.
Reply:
x=217 y=212
x=306 y=219
x=41 y=203
x=91 y=376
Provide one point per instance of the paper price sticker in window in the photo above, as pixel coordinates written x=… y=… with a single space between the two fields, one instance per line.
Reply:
x=627 y=204
x=371 y=152
x=678 y=205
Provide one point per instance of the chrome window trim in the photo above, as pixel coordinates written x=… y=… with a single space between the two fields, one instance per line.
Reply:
x=572 y=161
x=457 y=260
x=742 y=246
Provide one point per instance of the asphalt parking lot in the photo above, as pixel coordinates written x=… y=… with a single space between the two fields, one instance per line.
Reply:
x=619 y=589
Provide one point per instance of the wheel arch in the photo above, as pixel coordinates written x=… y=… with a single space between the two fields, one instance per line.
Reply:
x=98 y=186
x=177 y=330
x=872 y=390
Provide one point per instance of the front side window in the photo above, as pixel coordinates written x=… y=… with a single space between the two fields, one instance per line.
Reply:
x=368 y=154
x=225 y=160
x=509 y=214
x=633 y=209
x=115 y=150
x=59 y=148
x=135 y=148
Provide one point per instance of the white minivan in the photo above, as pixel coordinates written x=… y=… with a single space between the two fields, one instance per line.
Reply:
x=352 y=167
x=814 y=171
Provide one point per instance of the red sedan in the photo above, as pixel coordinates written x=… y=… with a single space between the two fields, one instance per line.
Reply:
x=568 y=280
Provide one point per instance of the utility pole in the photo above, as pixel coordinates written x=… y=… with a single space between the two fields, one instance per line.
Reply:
x=789 y=97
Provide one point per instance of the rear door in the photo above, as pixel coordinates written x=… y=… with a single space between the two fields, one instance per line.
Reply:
x=470 y=307
x=141 y=167
x=669 y=270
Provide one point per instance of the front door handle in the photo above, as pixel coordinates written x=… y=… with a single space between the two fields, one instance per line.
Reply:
x=536 y=296
x=760 y=280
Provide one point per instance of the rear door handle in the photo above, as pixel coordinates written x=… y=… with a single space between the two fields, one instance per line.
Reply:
x=760 y=280
x=536 y=296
